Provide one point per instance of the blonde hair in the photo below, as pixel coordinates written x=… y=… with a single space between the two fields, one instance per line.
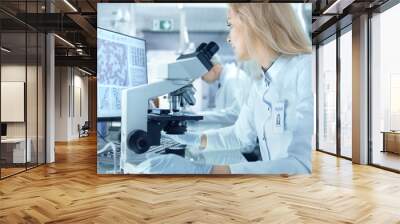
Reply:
x=274 y=25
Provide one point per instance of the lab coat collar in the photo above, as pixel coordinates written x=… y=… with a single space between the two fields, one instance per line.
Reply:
x=277 y=66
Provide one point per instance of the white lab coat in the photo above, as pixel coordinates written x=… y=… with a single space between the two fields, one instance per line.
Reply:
x=288 y=151
x=229 y=98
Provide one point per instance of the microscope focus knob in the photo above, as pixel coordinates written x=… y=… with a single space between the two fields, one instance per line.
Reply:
x=138 y=141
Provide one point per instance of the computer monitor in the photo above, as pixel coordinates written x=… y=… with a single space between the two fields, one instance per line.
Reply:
x=3 y=129
x=121 y=63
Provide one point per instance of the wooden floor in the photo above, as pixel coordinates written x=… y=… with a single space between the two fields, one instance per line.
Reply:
x=10 y=171
x=387 y=159
x=70 y=191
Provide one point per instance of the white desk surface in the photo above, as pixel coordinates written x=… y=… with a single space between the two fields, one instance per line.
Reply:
x=220 y=157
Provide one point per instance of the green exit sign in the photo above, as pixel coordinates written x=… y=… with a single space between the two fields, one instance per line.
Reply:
x=162 y=25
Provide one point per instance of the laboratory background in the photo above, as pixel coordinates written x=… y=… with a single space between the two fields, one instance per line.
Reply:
x=159 y=33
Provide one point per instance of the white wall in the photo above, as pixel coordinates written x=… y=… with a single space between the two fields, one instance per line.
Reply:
x=14 y=73
x=79 y=117
x=70 y=83
x=33 y=127
x=61 y=103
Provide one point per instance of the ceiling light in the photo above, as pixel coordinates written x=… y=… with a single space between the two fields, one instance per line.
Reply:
x=5 y=50
x=79 y=51
x=65 y=41
x=70 y=5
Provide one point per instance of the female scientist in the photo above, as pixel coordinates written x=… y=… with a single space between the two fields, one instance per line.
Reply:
x=279 y=110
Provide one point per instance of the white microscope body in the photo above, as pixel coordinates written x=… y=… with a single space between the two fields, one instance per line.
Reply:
x=135 y=100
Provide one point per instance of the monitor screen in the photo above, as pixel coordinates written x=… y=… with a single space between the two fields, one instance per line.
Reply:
x=121 y=63
x=3 y=129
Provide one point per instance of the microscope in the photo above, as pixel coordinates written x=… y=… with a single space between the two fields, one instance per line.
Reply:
x=141 y=127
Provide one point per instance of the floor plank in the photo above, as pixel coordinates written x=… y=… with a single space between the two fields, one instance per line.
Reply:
x=70 y=191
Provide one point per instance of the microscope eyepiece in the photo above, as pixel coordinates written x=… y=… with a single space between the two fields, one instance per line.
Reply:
x=208 y=50
x=204 y=52
x=200 y=47
x=211 y=49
